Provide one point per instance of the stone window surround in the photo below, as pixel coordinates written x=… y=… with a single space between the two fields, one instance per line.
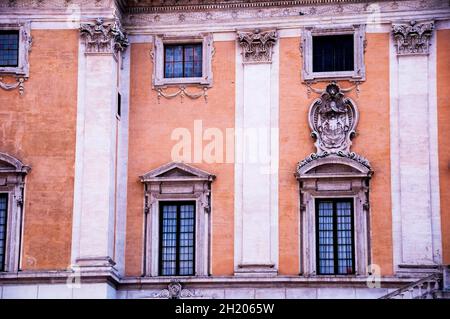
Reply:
x=196 y=187
x=334 y=185
x=359 y=72
x=12 y=182
x=158 y=58
x=23 y=68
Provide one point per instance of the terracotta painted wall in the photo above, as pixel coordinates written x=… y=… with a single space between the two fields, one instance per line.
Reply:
x=39 y=128
x=443 y=86
x=372 y=142
x=150 y=145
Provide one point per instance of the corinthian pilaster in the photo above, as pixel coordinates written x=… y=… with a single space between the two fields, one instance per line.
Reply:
x=257 y=46
x=104 y=38
x=413 y=38
x=416 y=217
x=95 y=245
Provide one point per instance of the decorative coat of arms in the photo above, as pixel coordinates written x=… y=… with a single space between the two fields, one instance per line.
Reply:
x=333 y=119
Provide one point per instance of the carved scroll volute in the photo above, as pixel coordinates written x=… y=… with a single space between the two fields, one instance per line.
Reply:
x=333 y=119
x=257 y=46
x=104 y=38
x=413 y=38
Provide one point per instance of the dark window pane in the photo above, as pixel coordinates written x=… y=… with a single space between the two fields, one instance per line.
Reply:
x=177 y=239
x=333 y=53
x=3 y=221
x=9 y=48
x=335 y=239
x=183 y=61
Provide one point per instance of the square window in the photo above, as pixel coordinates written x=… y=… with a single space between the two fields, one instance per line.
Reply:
x=9 y=48
x=333 y=53
x=179 y=61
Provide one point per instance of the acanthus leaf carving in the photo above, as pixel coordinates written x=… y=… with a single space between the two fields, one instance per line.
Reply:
x=176 y=291
x=257 y=46
x=413 y=38
x=104 y=38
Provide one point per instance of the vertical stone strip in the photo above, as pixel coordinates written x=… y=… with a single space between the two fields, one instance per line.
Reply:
x=257 y=209
x=415 y=229
x=103 y=44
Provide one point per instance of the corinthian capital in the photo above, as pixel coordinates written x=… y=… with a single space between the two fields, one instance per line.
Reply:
x=104 y=38
x=257 y=46
x=413 y=38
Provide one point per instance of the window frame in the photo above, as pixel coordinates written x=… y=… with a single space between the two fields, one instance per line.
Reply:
x=12 y=182
x=4 y=252
x=180 y=182
x=335 y=200
x=158 y=53
x=359 y=71
x=178 y=204
x=25 y=42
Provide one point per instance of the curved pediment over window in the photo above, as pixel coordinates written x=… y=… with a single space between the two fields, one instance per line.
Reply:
x=11 y=164
x=334 y=166
x=176 y=171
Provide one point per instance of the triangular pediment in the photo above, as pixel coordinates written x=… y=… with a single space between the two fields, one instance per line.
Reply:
x=176 y=171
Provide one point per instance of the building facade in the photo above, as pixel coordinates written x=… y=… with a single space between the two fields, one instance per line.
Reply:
x=224 y=149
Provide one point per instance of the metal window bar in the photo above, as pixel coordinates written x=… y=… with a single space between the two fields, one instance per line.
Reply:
x=3 y=230
x=333 y=53
x=177 y=239
x=183 y=60
x=9 y=48
x=335 y=237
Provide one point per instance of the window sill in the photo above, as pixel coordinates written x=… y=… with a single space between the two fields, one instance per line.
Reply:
x=168 y=82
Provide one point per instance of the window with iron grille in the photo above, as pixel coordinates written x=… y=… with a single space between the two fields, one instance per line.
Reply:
x=183 y=60
x=335 y=237
x=9 y=48
x=333 y=53
x=177 y=239
x=3 y=222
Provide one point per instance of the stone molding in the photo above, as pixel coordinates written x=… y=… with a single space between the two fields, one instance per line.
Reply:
x=413 y=38
x=177 y=182
x=257 y=46
x=104 y=38
x=142 y=18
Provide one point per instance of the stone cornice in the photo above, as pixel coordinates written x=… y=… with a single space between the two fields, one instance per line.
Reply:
x=184 y=5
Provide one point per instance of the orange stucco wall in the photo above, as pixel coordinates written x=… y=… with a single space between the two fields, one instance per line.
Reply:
x=443 y=85
x=150 y=145
x=372 y=142
x=39 y=128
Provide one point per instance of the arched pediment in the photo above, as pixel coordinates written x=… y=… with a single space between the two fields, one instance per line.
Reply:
x=10 y=164
x=176 y=171
x=334 y=166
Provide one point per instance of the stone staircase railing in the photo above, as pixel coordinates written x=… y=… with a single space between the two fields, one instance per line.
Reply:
x=424 y=288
